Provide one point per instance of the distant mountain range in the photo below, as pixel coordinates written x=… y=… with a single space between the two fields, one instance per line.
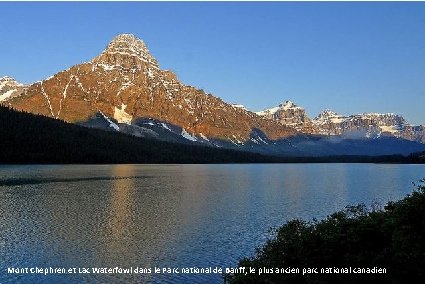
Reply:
x=330 y=123
x=124 y=90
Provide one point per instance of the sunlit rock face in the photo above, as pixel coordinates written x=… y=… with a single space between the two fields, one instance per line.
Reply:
x=329 y=123
x=125 y=83
x=289 y=114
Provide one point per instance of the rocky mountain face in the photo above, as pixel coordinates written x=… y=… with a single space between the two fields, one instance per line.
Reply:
x=124 y=89
x=369 y=125
x=125 y=86
x=10 y=88
x=289 y=114
x=329 y=123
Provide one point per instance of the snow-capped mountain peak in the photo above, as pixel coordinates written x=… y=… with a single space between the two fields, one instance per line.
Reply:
x=369 y=125
x=328 y=122
x=125 y=84
x=284 y=106
x=9 y=88
x=268 y=112
x=128 y=52
x=382 y=116
x=127 y=44
x=9 y=81
x=288 y=114
x=327 y=113
x=327 y=116
x=239 y=106
x=288 y=105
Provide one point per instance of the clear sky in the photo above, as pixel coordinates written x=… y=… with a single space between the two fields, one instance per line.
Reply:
x=348 y=57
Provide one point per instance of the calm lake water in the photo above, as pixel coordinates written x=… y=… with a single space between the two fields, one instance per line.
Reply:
x=175 y=216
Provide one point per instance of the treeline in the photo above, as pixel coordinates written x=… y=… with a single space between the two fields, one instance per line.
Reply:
x=392 y=238
x=29 y=138
x=414 y=158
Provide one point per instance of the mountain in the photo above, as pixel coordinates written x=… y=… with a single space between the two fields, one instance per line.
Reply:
x=34 y=138
x=289 y=114
x=39 y=139
x=123 y=89
x=369 y=125
x=10 y=88
x=330 y=123
x=125 y=86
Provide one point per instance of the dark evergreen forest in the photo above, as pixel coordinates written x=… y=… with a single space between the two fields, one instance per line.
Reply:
x=28 y=138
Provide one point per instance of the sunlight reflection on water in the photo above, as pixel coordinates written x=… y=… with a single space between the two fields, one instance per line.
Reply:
x=169 y=215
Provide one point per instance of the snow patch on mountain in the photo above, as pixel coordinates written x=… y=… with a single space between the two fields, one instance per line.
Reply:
x=121 y=115
x=327 y=116
x=289 y=105
x=9 y=88
x=390 y=129
x=239 y=106
x=283 y=106
x=7 y=94
x=186 y=135
x=111 y=123
x=203 y=137
x=164 y=125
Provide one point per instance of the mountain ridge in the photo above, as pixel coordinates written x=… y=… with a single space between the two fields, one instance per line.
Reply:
x=124 y=89
x=38 y=139
x=330 y=123
x=125 y=82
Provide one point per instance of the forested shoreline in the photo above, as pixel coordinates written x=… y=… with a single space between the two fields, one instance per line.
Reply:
x=390 y=240
x=33 y=139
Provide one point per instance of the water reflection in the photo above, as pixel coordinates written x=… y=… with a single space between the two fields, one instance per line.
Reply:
x=118 y=227
x=170 y=215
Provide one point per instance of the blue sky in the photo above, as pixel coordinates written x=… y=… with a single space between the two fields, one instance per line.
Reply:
x=348 y=57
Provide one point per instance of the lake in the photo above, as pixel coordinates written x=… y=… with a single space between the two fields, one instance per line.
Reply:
x=168 y=216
